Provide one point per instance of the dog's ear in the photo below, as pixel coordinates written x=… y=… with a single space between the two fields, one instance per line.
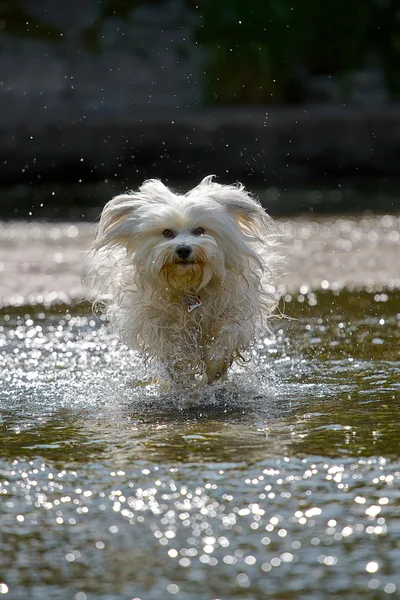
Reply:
x=246 y=210
x=118 y=220
x=120 y=217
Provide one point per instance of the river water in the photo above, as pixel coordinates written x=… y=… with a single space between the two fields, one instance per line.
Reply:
x=284 y=482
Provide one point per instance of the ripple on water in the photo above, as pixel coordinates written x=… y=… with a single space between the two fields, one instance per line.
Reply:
x=284 y=480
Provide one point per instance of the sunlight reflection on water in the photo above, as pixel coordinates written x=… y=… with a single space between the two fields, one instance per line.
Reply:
x=284 y=480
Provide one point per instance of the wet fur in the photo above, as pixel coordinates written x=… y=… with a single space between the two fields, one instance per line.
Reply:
x=133 y=272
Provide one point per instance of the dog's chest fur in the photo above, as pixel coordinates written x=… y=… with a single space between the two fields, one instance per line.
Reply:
x=169 y=325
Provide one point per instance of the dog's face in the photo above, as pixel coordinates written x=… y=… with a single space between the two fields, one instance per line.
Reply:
x=183 y=241
x=177 y=244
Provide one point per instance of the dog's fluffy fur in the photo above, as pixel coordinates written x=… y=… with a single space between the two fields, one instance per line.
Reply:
x=148 y=290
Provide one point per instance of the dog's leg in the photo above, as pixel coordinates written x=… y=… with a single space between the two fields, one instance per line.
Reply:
x=185 y=364
x=219 y=355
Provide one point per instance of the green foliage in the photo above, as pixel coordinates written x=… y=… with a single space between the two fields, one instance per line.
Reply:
x=15 y=19
x=248 y=43
x=258 y=47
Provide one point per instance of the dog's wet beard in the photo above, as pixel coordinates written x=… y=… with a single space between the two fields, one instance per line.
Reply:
x=187 y=276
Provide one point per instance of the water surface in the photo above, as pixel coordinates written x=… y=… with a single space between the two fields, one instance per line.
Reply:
x=283 y=482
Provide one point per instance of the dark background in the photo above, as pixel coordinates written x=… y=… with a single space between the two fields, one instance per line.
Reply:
x=299 y=100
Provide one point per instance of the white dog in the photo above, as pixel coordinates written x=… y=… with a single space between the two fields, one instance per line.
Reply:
x=186 y=279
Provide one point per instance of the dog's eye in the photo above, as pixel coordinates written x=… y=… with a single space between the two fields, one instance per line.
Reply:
x=198 y=231
x=167 y=233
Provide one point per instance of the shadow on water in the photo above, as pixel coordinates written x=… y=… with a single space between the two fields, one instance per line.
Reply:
x=220 y=429
x=339 y=427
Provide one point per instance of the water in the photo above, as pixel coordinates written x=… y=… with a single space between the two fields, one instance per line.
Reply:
x=283 y=483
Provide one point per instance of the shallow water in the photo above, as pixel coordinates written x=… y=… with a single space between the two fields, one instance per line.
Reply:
x=283 y=483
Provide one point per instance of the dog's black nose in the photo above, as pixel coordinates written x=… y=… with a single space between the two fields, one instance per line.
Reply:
x=183 y=251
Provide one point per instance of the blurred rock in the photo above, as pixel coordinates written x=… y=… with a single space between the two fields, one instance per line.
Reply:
x=148 y=60
x=368 y=87
x=323 y=89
